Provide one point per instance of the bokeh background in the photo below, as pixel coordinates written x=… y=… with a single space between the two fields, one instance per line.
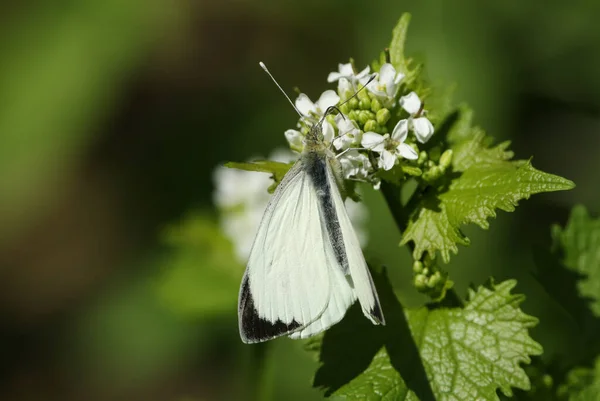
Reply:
x=113 y=115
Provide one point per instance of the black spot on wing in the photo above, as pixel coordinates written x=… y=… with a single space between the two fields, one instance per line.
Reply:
x=254 y=329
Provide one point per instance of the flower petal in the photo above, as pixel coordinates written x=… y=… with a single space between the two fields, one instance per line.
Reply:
x=294 y=138
x=364 y=72
x=387 y=74
x=373 y=141
x=387 y=160
x=327 y=99
x=305 y=105
x=334 y=76
x=423 y=129
x=346 y=70
x=344 y=86
x=328 y=131
x=400 y=131
x=407 y=152
x=411 y=103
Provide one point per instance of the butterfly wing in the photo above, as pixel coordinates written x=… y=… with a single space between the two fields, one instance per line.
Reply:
x=290 y=273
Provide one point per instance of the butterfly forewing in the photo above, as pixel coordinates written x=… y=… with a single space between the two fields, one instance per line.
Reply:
x=286 y=284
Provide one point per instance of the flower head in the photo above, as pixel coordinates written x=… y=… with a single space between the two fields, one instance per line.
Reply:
x=390 y=147
x=419 y=124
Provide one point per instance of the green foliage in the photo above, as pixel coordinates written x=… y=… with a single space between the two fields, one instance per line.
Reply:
x=579 y=242
x=451 y=353
x=200 y=261
x=582 y=384
x=483 y=180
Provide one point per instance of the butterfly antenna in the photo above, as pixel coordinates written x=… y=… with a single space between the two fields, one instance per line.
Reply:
x=264 y=67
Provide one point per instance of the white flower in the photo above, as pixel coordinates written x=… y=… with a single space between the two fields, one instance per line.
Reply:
x=386 y=84
x=242 y=197
x=355 y=165
x=421 y=126
x=348 y=133
x=309 y=109
x=347 y=71
x=389 y=147
x=295 y=139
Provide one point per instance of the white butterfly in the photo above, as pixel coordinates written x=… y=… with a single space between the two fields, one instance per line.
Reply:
x=306 y=266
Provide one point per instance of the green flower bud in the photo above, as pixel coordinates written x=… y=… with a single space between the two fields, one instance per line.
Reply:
x=344 y=108
x=411 y=170
x=364 y=116
x=446 y=159
x=383 y=116
x=364 y=104
x=370 y=125
x=417 y=266
x=353 y=115
x=433 y=174
x=375 y=105
x=435 y=280
x=422 y=158
x=353 y=103
x=420 y=282
x=363 y=95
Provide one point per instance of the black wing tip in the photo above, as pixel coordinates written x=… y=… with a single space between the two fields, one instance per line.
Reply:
x=377 y=314
x=253 y=328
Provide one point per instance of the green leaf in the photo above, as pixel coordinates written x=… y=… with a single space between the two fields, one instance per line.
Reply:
x=397 y=44
x=579 y=242
x=483 y=180
x=582 y=384
x=431 y=353
x=277 y=169
x=201 y=275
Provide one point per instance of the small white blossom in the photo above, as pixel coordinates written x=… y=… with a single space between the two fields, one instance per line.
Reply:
x=421 y=125
x=309 y=109
x=390 y=147
x=348 y=133
x=347 y=71
x=385 y=86
x=242 y=197
x=355 y=165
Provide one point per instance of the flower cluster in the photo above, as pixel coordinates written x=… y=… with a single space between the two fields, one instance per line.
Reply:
x=362 y=134
x=242 y=197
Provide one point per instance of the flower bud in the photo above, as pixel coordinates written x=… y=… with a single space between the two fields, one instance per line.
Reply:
x=375 y=105
x=383 y=116
x=364 y=104
x=411 y=170
x=371 y=125
x=420 y=282
x=417 y=266
x=353 y=103
x=446 y=159
x=364 y=116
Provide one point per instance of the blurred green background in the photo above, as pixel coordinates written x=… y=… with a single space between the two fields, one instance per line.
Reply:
x=113 y=115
